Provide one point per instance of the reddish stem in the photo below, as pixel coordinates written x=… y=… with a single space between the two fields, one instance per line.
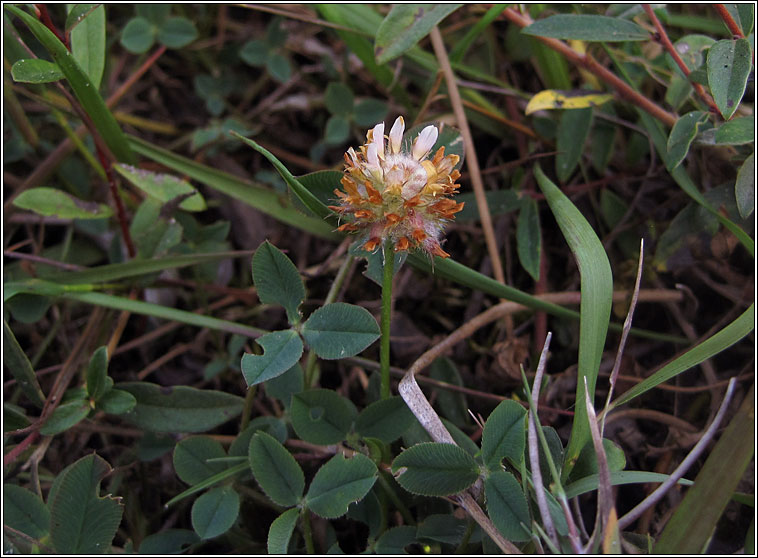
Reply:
x=734 y=29
x=132 y=79
x=17 y=450
x=44 y=17
x=588 y=62
x=669 y=46
x=120 y=211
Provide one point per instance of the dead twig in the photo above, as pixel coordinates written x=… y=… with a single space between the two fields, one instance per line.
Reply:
x=624 y=334
x=534 y=455
x=655 y=496
x=472 y=163
x=605 y=504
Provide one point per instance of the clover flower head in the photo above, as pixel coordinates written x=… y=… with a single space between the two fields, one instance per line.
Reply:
x=399 y=195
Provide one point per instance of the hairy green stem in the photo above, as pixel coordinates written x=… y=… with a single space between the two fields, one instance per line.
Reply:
x=384 y=354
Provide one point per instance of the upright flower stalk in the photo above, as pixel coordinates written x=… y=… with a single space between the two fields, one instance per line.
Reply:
x=384 y=349
x=398 y=199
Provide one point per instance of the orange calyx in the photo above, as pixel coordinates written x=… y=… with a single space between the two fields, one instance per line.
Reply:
x=392 y=218
x=446 y=208
x=350 y=187
x=372 y=244
x=418 y=235
x=347 y=227
x=436 y=250
x=373 y=194
x=402 y=244
x=438 y=156
x=413 y=202
x=363 y=214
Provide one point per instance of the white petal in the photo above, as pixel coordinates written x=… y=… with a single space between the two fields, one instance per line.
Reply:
x=353 y=156
x=378 y=139
x=424 y=142
x=396 y=134
x=372 y=157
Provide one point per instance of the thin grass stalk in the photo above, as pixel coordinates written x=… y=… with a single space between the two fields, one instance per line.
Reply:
x=624 y=334
x=471 y=161
x=604 y=492
x=557 y=487
x=538 y=542
x=679 y=472
x=534 y=455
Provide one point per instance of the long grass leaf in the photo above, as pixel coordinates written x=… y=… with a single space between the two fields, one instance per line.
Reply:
x=461 y=47
x=595 y=310
x=84 y=90
x=306 y=196
x=718 y=342
x=247 y=192
x=158 y=311
x=135 y=268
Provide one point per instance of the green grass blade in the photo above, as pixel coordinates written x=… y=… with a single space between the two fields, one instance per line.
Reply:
x=210 y=481
x=589 y=483
x=461 y=47
x=247 y=192
x=83 y=281
x=306 y=196
x=134 y=268
x=158 y=311
x=84 y=90
x=450 y=269
x=42 y=287
x=595 y=309
x=718 y=342
x=694 y=520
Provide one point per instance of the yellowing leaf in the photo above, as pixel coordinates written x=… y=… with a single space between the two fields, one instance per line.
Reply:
x=554 y=99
